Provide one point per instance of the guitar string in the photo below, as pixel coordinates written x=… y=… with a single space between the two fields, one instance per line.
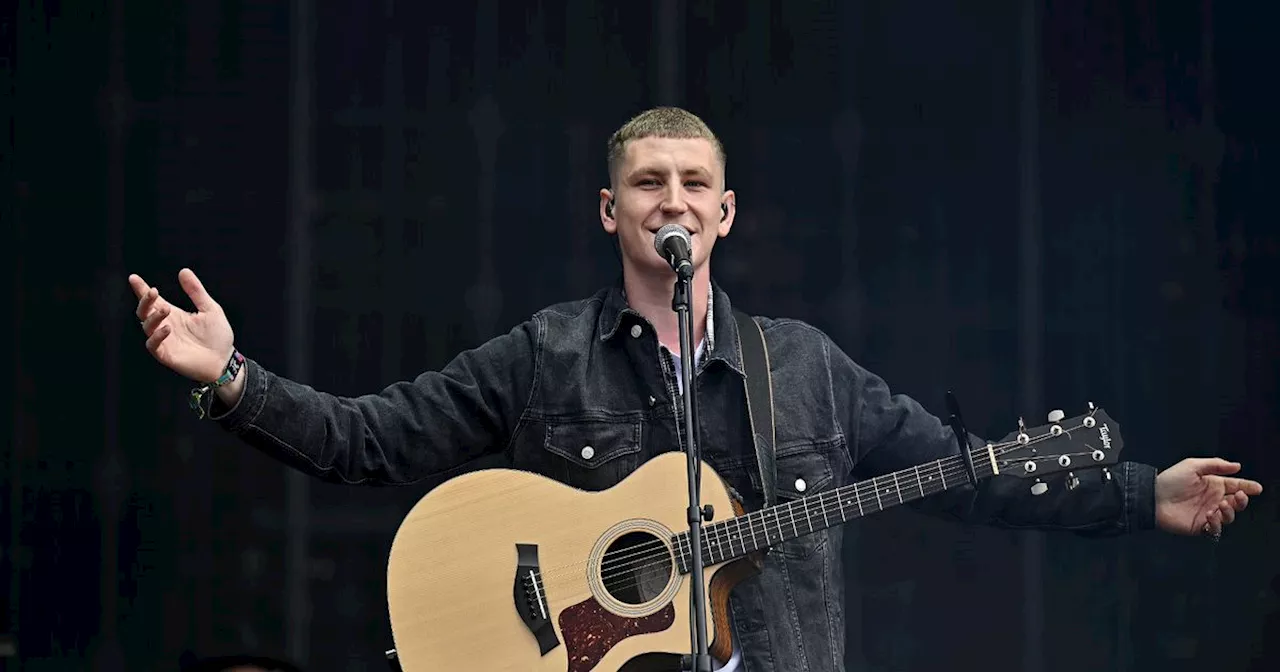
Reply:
x=612 y=559
x=655 y=552
x=658 y=549
x=665 y=561
x=802 y=525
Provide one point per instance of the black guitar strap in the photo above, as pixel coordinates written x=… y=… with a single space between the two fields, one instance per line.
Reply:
x=755 y=360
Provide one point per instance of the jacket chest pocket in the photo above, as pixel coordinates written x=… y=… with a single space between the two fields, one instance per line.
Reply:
x=802 y=475
x=593 y=454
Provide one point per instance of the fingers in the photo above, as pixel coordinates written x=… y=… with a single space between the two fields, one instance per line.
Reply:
x=1240 y=500
x=1213 y=465
x=146 y=299
x=195 y=290
x=154 y=320
x=154 y=340
x=1214 y=521
x=138 y=285
x=1226 y=513
x=1244 y=485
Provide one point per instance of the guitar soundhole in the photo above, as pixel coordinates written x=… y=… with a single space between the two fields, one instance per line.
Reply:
x=636 y=568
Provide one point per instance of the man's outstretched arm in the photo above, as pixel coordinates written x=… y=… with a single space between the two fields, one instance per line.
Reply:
x=427 y=428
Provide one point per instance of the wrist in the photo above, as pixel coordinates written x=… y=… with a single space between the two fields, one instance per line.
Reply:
x=228 y=386
x=230 y=393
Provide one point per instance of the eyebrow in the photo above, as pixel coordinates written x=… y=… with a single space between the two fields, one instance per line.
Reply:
x=654 y=170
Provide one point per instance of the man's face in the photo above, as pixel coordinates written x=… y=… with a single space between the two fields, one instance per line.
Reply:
x=665 y=180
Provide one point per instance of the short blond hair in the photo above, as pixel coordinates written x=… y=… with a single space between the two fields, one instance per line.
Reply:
x=661 y=122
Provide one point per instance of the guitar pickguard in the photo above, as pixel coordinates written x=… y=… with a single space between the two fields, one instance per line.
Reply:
x=590 y=631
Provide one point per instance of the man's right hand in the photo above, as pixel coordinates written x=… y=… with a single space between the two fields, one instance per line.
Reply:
x=196 y=345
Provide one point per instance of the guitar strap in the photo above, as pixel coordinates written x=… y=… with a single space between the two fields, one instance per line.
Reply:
x=759 y=384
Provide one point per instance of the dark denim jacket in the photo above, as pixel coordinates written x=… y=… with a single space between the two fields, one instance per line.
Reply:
x=591 y=372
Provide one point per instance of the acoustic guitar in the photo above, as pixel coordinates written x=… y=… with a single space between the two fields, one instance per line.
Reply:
x=502 y=569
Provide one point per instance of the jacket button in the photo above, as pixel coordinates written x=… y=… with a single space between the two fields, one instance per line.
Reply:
x=588 y=452
x=800 y=485
x=636 y=331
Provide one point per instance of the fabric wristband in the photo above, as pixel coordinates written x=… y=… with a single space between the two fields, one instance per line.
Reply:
x=198 y=395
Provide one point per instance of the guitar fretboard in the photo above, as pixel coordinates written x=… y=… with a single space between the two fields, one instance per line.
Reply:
x=736 y=537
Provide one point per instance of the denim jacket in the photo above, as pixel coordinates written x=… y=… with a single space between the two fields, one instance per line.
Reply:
x=592 y=373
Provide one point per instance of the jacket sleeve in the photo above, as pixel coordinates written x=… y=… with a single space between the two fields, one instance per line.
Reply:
x=428 y=429
x=893 y=431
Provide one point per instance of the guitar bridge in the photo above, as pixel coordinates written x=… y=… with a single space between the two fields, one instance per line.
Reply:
x=531 y=599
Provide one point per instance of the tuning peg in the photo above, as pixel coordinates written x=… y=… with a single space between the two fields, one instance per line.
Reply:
x=1039 y=488
x=1072 y=481
x=1022 y=425
x=1056 y=415
x=1107 y=473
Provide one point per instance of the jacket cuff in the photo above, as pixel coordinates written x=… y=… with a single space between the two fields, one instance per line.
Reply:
x=247 y=407
x=1139 y=496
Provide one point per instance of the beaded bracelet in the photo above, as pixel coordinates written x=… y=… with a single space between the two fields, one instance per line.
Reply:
x=198 y=394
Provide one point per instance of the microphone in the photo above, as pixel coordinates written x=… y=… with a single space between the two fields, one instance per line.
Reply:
x=673 y=244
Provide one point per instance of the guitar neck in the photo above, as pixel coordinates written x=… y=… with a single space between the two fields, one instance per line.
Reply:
x=736 y=537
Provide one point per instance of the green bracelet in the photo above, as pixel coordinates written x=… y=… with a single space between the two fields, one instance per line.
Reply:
x=197 y=401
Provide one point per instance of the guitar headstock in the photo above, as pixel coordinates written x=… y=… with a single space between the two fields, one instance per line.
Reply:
x=1088 y=441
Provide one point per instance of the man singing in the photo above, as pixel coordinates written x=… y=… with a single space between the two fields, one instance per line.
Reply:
x=586 y=391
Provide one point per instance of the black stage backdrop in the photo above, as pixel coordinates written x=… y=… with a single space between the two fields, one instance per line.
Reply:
x=1035 y=204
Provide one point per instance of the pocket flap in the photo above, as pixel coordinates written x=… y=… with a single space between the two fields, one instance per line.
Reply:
x=592 y=443
x=800 y=474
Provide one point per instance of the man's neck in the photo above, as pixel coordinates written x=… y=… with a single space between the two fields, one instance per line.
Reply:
x=651 y=297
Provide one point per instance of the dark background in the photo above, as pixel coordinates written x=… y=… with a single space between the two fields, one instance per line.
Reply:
x=1036 y=205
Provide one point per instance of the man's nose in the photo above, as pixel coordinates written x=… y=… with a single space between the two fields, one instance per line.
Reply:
x=674 y=202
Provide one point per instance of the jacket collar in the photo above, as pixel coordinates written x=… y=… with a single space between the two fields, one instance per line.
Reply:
x=722 y=329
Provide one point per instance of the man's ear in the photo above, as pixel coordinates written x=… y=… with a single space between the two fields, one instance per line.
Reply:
x=729 y=209
x=607 y=204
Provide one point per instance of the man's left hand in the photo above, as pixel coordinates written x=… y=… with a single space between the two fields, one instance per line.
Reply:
x=1198 y=496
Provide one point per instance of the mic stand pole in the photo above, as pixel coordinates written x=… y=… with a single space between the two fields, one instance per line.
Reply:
x=701 y=659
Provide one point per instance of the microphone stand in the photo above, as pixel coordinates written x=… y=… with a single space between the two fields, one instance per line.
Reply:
x=700 y=661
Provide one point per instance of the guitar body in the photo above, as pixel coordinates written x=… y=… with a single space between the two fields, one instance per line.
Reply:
x=507 y=570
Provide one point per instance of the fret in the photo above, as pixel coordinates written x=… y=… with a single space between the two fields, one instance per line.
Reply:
x=719 y=539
